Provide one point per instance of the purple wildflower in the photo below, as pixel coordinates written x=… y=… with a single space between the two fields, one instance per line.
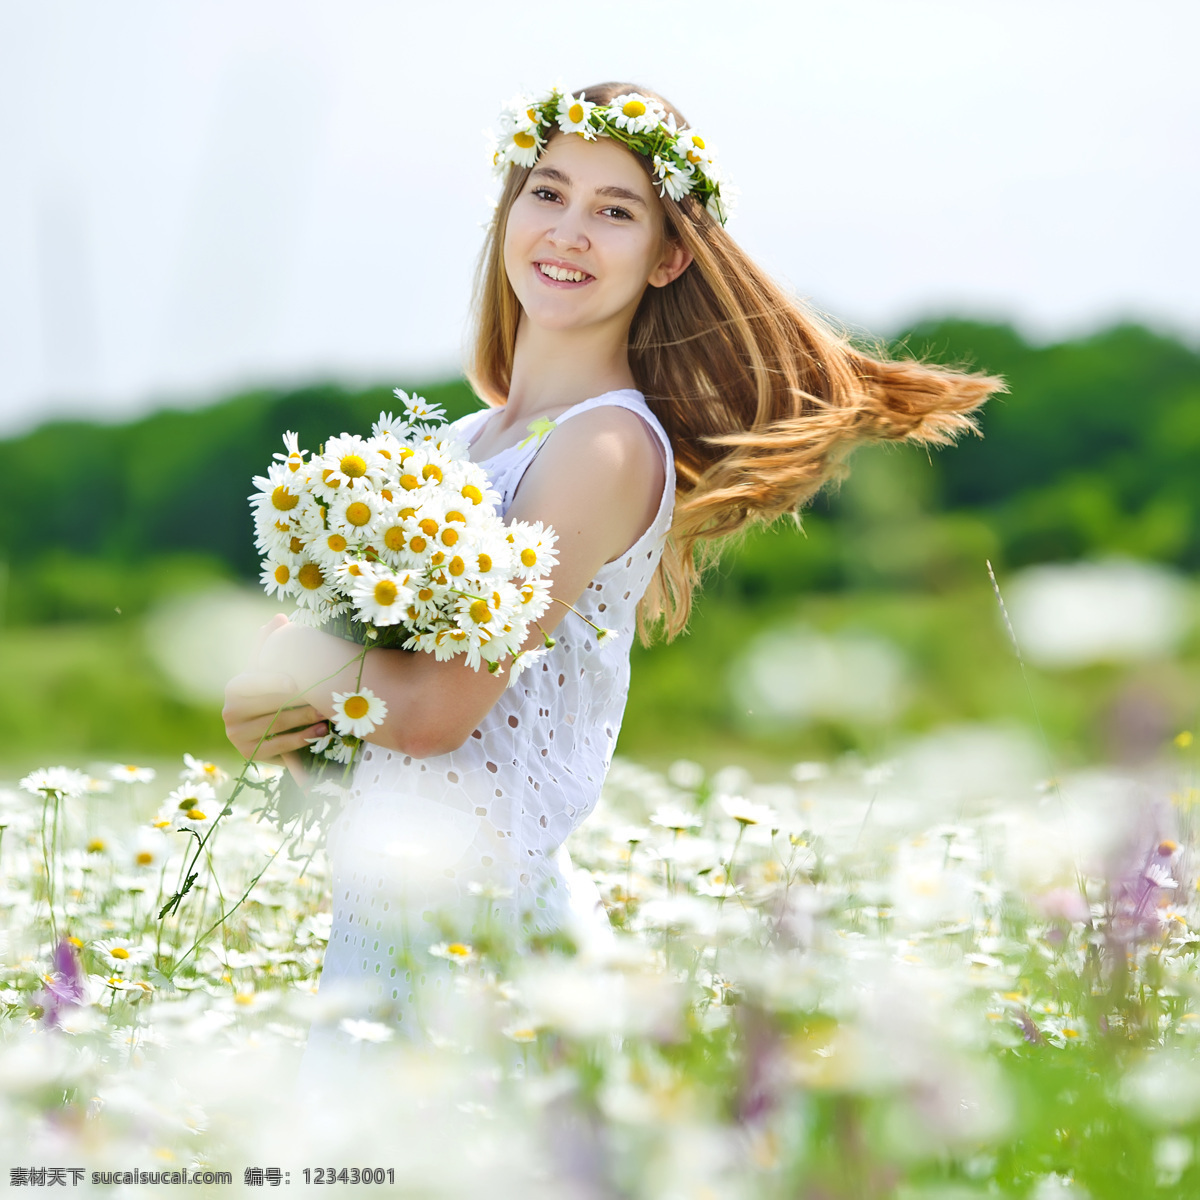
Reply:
x=65 y=983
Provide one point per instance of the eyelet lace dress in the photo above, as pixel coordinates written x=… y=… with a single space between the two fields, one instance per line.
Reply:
x=478 y=833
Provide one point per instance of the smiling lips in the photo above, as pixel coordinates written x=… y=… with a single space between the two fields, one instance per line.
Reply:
x=563 y=274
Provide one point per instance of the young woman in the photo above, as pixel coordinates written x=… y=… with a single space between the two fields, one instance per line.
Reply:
x=650 y=393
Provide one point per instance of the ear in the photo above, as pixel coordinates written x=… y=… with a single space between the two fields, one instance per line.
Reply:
x=674 y=262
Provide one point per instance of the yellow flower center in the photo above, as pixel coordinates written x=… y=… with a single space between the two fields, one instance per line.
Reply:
x=385 y=592
x=353 y=466
x=283 y=500
x=195 y=814
x=575 y=113
x=282 y=574
x=75 y=942
x=96 y=846
x=405 y=513
x=310 y=576
x=143 y=858
x=633 y=108
x=485 y=562
x=472 y=493
x=524 y=140
x=528 y=557
x=480 y=611
x=697 y=141
x=119 y=952
x=431 y=471
x=425 y=594
x=295 y=545
x=458 y=950
x=336 y=542
x=417 y=544
x=394 y=538
x=325 y=474
x=386 y=493
x=437 y=558
x=449 y=537
x=354 y=569
x=429 y=526
x=455 y=515
x=457 y=566
x=358 y=513
x=532 y=114
x=356 y=707
x=408 y=482
x=243 y=998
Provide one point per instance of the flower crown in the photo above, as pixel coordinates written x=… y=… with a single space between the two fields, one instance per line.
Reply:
x=682 y=162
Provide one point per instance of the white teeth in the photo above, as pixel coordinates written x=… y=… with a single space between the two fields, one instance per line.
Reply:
x=561 y=273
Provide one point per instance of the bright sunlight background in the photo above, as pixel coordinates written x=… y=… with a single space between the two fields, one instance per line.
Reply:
x=201 y=195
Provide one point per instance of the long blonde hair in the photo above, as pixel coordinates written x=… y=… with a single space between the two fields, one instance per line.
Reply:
x=761 y=397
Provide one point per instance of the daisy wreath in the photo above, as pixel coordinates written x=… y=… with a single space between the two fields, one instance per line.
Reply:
x=682 y=162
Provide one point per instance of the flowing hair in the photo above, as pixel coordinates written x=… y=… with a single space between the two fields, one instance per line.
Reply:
x=761 y=397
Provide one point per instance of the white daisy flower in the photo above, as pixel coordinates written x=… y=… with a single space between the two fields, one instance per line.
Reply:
x=389 y=426
x=148 y=850
x=129 y=773
x=523 y=661
x=636 y=113
x=534 y=544
x=116 y=953
x=350 y=461
x=720 y=204
x=193 y=793
x=197 y=770
x=62 y=780
x=675 y=180
x=280 y=494
x=380 y=596
x=356 y=714
x=353 y=513
x=675 y=818
x=198 y=820
x=574 y=116
x=459 y=952
x=294 y=458
x=746 y=813
x=417 y=408
x=315 y=590
x=278 y=578
x=690 y=145
x=533 y=598
x=333 y=748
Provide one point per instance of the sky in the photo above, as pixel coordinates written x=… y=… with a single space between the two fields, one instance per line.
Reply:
x=206 y=195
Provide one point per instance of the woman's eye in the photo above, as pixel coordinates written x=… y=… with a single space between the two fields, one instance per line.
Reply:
x=620 y=213
x=545 y=193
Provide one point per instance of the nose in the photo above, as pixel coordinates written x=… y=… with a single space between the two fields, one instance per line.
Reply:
x=568 y=231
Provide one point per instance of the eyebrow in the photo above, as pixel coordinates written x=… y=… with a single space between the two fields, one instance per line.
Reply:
x=617 y=193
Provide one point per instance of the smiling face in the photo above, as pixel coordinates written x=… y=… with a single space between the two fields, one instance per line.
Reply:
x=585 y=237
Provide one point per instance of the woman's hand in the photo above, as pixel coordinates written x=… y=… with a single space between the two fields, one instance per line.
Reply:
x=265 y=716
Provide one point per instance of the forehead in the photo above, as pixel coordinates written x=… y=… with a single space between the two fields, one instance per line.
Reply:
x=597 y=164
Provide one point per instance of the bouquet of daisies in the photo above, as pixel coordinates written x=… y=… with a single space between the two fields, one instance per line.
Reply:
x=396 y=540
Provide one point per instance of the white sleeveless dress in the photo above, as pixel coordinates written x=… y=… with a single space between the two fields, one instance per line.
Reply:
x=428 y=850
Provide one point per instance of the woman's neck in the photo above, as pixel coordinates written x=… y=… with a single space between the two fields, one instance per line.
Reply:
x=553 y=371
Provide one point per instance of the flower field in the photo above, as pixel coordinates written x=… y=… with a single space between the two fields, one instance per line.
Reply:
x=935 y=977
